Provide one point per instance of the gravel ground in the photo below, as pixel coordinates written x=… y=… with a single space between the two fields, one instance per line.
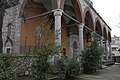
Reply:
x=110 y=73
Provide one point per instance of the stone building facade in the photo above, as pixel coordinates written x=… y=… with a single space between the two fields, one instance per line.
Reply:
x=73 y=23
x=115 y=45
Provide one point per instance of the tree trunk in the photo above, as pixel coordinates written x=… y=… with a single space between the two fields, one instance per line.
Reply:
x=2 y=10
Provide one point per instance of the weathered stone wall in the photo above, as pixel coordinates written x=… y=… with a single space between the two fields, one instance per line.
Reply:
x=12 y=16
x=23 y=64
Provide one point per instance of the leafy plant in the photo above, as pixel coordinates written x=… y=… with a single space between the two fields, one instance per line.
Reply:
x=92 y=56
x=41 y=66
x=44 y=51
x=7 y=70
x=68 y=68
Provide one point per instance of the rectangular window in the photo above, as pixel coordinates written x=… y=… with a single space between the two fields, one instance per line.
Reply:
x=8 y=50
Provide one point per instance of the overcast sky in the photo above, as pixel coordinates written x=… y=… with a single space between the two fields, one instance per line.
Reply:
x=110 y=12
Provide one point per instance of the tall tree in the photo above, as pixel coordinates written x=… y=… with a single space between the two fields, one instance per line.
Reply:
x=2 y=10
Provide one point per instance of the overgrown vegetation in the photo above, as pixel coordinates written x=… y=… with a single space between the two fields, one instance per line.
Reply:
x=68 y=68
x=44 y=54
x=7 y=70
x=92 y=56
x=44 y=51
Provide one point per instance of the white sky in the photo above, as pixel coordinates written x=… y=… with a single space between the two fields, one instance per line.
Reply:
x=109 y=10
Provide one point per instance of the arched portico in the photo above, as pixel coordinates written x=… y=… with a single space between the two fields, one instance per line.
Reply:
x=105 y=33
x=109 y=46
x=98 y=28
x=48 y=5
x=28 y=29
x=109 y=36
x=69 y=8
x=89 y=26
x=105 y=44
x=72 y=26
x=66 y=24
x=88 y=19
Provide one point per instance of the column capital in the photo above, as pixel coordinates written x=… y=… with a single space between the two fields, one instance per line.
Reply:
x=58 y=12
x=81 y=26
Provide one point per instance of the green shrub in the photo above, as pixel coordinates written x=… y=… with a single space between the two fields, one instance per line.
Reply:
x=68 y=68
x=92 y=56
x=41 y=66
x=44 y=51
x=7 y=70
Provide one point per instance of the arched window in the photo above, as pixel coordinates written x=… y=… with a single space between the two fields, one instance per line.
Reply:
x=75 y=47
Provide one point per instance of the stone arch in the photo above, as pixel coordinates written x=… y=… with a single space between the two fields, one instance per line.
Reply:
x=98 y=28
x=104 y=33
x=48 y=7
x=62 y=4
x=73 y=8
x=88 y=22
x=109 y=36
x=8 y=40
x=78 y=10
x=88 y=18
x=75 y=47
x=28 y=28
x=54 y=4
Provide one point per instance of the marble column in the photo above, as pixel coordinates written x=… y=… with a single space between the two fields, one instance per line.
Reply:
x=58 y=15
x=107 y=49
x=81 y=43
x=110 y=51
